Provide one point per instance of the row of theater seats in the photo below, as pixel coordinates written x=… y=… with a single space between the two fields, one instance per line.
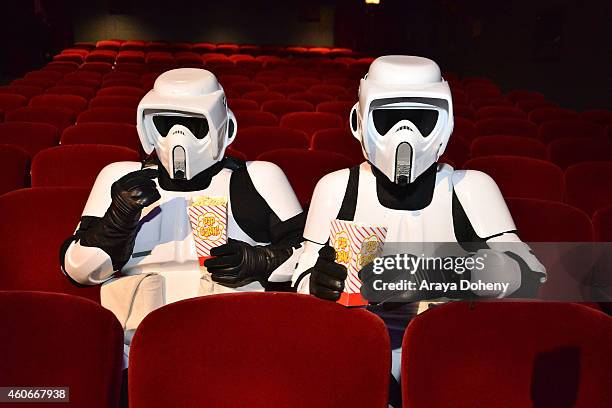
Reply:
x=280 y=350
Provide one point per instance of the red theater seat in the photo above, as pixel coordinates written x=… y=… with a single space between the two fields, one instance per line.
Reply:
x=314 y=98
x=541 y=115
x=61 y=118
x=297 y=325
x=304 y=168
x=235 y=154
x=79 y=81
x=263 y=96
x=101 y=56
x=557 y=129
x=464 y=111
x=503 y=126
x=131 y=56
x=521 y=94
x=522 y=177
x=478 y=103
x=464 y=128
x=247 y=118
x=339 y=141
x=39 y=83
x=283 y=107
x=243 y=87
x=114 y=101
x=530 y=104
x=73 y=102
x=76 y=165
x=571 y=150
x=457 y=151
x=538 y=221
x=36 y=221
x=256 y=140
x=328 y=89
x=542 y=354
x=242 y=104
x=112 y=45
x=602 y=223
x=52 y=343
x=31 y=137
x=226 y=79
x=601 y=116
x=310 y=122
x=508 y=145
x=482 y=91
x=112 y=115
x=130 y=67
x=116 y=134
x=287 y=88
x=500 y=112
x=340 y=108
x=61 y=66
x=45 y=75
x=132 y=46
x=304 y=80
x=9 y=102
x=14 y=164
x=134 y=91
x=81 y=91
x=23 y=90
x=101 y=67
x=589 y=185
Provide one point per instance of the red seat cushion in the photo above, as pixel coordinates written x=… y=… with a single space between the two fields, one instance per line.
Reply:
x=283 y=107
x=116 y=134
x=204 y=363
x=511 y=354
x=247 y=118
x=589 y=185
x=341 y=108
x=112 y=115
x=121 y=91
x=263 y=96
x=310 y=122
x=51 y=344
x=464 y=128
x=15 y=163
x=115 y=101
x=83 y=91
x=340 y=141
x=503 y=126
x=571 y=150
x=500 y=112
x=256 y=140
x=557 y=129
x=10 y=102
x=242 y=104
x=73 y=102
x=61 y=118
x=544 y=114
x=314 y=98
x=31 y=137
x=492 y=145
x=287 y=88
x=23 y=90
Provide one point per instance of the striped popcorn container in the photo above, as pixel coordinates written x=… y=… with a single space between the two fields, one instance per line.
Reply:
x=208 y=219
x=356 y=245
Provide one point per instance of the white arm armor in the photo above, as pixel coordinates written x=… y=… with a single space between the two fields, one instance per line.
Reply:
x=488 y=214
x=273 y=186
x=324 y=207
x=91 y=265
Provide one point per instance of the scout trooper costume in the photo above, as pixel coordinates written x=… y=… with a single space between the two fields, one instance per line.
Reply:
x=135 y=221
x=403 y=120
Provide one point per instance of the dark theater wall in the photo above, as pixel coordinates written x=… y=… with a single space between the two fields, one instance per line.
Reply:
x=289 y=22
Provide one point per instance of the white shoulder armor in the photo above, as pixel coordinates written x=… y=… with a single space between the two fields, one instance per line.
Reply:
x=100 y=196
x=482 y=202
x=325 y=205
x=272 y=184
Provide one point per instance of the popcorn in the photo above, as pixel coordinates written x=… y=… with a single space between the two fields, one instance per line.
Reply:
x=356 y=245
x=208 y=219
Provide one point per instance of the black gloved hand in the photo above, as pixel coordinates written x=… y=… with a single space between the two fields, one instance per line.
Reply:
x=115 y=232
x=326 y=276
x=238 y=263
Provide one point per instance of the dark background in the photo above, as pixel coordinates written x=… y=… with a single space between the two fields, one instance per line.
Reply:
x=559 y=47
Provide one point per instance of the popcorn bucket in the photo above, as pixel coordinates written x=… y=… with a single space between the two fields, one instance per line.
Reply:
x=356 y=245
x=208 y=219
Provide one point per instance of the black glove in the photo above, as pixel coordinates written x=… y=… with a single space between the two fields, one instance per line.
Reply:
x=115 y=232
x=326 y=276
x=238 y=263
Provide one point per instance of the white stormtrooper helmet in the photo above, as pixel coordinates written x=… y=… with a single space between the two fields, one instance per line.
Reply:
x=404 y=116
x=186 y=120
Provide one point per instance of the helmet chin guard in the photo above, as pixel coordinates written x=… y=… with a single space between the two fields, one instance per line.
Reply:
x=404 y=117
x=185 y=119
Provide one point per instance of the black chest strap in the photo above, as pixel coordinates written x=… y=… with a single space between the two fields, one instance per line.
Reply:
x=349 y=202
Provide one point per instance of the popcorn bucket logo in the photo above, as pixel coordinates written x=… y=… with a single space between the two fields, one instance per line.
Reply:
x=209 y=227
x=356 y=245
x=208 y=220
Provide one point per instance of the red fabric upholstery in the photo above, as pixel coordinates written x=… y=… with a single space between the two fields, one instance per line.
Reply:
x=314 y=98
x=244 y=87
x=530 y=104
x=227 y=79
x=464 y=111
x=522 y=176
x=117 y=134
x=61 y=118
x=340 y=141
x=83 y=91
x=601 y=116
x=538 y=221
x=287 y=88
x=310 y=122
x=15 y=163
x=40 y=83
x=508 y=354
x=571 y=150
x=541 y=115
x=36 y=222
x=73 y=102
x=61 y=340
x=508 y=145
x=457 y=150
x=247 y=118
x=31 y=137
x=263 y=96
x=242 y=104
x=120 y=82
x=131 y=56
x=602 y=223
x=112 y=115
x=115 y=101
x=84 y=82
x=482 y=91
x=304 y=168
x=340 y=108
x=557 y=129
x=235 y=153
x=10 y=102
x=46 y=75
x=23 y=90
x=256 y=140
x=521 y=94
x=206 y=363
x=121 y=91
x=503 y=126
x=329 y=89
x=464 y=128
x=500 y=112
x=283 y=107
x=76 y=165
x=589 y=185
x=99 y=66
x=478 y=103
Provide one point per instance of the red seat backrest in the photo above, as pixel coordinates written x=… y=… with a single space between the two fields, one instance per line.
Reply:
x=256 y=140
